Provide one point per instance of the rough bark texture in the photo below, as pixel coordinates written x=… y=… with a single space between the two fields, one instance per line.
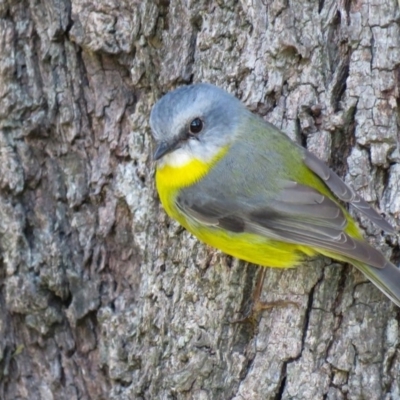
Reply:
x=101 y=295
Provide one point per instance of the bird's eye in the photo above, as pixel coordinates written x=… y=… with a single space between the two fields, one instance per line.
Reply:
x=196 y=126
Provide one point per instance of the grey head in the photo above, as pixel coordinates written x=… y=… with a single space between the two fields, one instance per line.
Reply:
x=194 y=122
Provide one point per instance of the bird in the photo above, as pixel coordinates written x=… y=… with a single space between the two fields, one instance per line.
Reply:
x=241 y=185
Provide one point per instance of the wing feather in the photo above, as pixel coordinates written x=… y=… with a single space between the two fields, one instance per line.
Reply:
x=344 y=192
x=299 y=214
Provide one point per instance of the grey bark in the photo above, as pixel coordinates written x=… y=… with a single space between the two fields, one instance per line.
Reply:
x=101 y=295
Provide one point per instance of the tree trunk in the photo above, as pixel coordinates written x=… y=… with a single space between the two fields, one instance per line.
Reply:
x=102 y=296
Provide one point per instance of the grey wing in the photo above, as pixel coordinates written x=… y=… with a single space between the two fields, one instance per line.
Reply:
x=299 y=214
x=344 y=192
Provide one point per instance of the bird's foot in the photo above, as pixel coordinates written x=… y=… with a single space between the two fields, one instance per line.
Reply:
x=258 y=306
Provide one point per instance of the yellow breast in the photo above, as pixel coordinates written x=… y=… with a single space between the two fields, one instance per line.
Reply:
x=171 y=178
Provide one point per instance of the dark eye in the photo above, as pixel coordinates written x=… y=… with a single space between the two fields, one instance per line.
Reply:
x=196 y=126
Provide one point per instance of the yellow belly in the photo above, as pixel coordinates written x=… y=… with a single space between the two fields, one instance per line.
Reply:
x=253 y=248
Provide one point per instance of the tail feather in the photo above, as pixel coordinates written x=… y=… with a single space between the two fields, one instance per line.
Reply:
x=386 y=279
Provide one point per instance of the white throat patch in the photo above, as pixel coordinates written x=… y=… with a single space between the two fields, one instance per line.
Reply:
x=178 y=158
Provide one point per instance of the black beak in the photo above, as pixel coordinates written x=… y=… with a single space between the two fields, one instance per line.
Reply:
x=164 y=148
